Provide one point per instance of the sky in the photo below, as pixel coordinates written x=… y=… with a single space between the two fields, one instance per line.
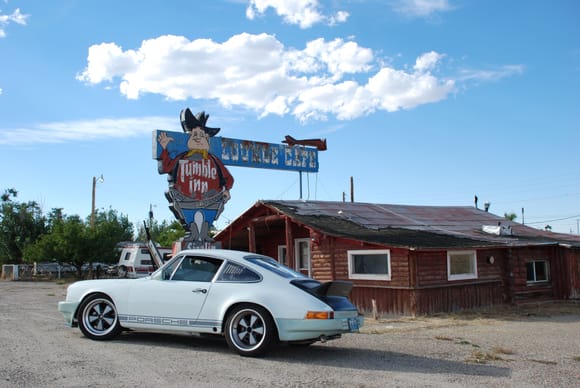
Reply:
x=422 y=102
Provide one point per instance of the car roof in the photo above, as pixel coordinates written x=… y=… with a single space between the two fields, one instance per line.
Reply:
x=228 y=254
x=232 y=255
x=218 y=253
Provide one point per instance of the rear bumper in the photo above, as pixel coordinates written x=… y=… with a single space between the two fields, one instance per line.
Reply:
x=306 y=329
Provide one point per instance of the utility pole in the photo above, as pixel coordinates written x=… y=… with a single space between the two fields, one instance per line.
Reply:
x=95 y=180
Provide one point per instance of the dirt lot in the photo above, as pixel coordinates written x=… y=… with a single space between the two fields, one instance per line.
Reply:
x=527 y=346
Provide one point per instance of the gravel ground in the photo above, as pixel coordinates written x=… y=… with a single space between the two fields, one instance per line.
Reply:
x=515 y=347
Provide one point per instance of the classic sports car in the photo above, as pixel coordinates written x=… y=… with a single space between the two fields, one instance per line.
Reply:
x=250 y=299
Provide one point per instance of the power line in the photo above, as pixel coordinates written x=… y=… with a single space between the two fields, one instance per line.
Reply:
x=557 y=219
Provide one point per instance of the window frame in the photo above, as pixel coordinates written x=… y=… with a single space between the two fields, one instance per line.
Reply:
x=351 y=254
x=282 y=255
x=546 y=264
x=297 y=255
x=463 y=276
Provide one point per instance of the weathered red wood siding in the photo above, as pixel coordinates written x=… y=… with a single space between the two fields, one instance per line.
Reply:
x=435 y=293
x=524 y=292
x=269 y=246
x=573 y=260
x=419 y=282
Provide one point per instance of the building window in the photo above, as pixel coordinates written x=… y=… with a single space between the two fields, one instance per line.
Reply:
x=537 y=271
x=302 y=251
x=369 y=264
x=461 y=265
x=282 y=254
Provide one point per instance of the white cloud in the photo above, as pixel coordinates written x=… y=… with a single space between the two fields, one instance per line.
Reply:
x=427 y=61
x=421 y=8
x=490 y=74
x=334 y=78
x=15 y=17
x=304 y=13
x=61 y=132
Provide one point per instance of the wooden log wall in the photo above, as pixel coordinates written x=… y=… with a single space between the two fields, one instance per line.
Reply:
x=444 y=298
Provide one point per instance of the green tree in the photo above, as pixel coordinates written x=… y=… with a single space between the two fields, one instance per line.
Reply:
x=164 y=233
x=110 y=229
x=65 y=243
x=510 y=216
x=73 y=241
x=21 y=224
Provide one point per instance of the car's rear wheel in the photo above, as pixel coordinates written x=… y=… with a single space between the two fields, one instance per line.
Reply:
x=250 y=330
x=98 y=318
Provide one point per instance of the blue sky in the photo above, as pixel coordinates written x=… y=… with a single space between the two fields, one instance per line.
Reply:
x=421 y=102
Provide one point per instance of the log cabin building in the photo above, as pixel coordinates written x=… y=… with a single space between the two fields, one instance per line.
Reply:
x=412 y=260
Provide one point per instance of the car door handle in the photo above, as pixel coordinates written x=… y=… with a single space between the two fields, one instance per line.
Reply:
x=202 y=290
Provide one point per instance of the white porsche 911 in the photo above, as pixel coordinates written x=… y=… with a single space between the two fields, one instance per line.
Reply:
x=250 y=299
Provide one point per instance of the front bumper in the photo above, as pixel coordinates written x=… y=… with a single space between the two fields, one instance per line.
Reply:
x=306 y=329
x=68 y=310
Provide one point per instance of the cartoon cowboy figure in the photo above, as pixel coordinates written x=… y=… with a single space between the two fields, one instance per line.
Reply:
x=199 y=183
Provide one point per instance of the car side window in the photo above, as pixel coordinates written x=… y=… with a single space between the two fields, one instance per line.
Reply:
x=233 y=272
x=196 y=269
x=170 y=268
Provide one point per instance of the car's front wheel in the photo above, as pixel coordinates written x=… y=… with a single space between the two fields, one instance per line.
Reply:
x=98 y=319
x=250 y=330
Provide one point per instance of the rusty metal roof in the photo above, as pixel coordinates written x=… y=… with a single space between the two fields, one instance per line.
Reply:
x=415 y=226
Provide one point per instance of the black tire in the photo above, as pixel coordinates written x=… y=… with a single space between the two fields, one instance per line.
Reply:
x=250 y=330
x=98 y=318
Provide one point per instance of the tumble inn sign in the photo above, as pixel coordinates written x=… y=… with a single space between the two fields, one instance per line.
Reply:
x=195 y=161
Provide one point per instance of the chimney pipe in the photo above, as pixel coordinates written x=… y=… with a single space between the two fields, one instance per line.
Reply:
x=351 y=189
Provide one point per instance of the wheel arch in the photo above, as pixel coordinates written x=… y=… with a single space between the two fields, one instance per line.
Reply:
x=241 y=303
x=88 y=295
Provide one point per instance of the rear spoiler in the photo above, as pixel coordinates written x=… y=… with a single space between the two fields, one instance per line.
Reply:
x=153 y=251
x=332 y=288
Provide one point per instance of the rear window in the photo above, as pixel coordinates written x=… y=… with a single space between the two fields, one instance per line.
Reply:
x=275 y=267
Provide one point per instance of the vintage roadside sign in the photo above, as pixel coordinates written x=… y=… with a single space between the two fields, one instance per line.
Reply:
x=247 y=153
x=195 y=161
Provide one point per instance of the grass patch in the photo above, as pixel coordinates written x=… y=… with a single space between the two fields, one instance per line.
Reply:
x=479 y=357
x=500 y=350
x=496 y=353
x=545 y=362
x=576 y=358
x=443 y=338
x=461 y=341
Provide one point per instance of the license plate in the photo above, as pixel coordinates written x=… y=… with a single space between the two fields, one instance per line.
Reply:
x=353 y=324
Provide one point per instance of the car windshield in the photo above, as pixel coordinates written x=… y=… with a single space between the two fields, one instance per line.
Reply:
x=275 y=267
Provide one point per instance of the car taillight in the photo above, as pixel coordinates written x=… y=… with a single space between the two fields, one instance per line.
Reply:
x=319 y=315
